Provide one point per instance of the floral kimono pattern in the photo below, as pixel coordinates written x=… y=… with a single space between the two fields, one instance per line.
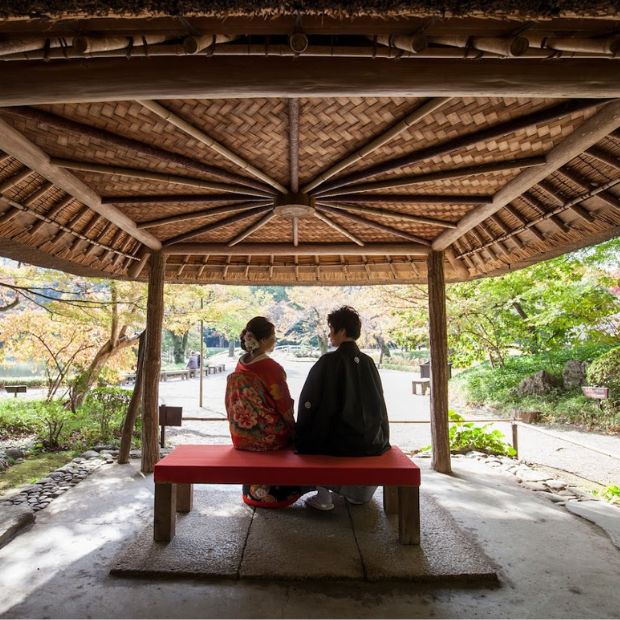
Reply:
x=260 y=417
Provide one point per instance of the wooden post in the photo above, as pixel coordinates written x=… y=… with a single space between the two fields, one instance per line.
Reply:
x=439 y=363
x=409 y=515
x=201 y=367
x=390 y=500
x=154 y=318
x=184 y=497
x=164 y=512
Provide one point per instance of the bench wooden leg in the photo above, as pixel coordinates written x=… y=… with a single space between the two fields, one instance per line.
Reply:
x=409 y=515
x=185 y=497
x=425 y=386
x=390 y=500
x=165 y=516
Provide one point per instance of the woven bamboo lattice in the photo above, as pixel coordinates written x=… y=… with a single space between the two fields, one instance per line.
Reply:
x=306 y=188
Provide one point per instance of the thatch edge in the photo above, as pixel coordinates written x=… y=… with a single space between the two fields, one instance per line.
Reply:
x=56 y=9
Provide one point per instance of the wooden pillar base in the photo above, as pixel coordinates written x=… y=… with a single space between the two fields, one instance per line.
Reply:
x=390 y=500
x=165 y=516
x=185 y=497
x=409 y=515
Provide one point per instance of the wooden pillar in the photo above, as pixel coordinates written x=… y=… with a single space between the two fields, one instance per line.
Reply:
x=439 y=363
x=152 y=363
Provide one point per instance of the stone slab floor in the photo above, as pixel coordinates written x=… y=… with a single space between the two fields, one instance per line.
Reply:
x=551 y=563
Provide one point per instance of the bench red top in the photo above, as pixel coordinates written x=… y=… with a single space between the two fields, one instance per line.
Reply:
x=226 y=465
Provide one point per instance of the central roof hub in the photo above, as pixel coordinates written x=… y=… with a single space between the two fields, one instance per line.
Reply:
x=294 y=205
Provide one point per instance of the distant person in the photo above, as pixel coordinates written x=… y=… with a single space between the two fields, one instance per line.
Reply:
x=260 y=409
x=342 y=411
x=192 y=364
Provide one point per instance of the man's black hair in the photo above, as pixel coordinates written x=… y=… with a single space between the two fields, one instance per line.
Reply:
x=347 y=318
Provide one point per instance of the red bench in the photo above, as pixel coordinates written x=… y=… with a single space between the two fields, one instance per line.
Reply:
x=204 y=464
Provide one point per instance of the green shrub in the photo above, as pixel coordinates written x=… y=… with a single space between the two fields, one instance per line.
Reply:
x=106 y=408
x=497 y=388
x=31 y=382
x=610 y=494
x=466 y=436
x=17 y=417
x=53 y=424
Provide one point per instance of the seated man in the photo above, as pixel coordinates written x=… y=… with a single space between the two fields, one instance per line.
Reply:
x=341 y=407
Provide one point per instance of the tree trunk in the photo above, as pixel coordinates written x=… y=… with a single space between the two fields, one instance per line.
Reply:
x=322 y=344
x=231 y=347
x=179 y=346
x=134 y=405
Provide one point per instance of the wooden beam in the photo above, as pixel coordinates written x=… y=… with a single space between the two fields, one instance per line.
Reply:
x=178 y=198
x=136 y=269
x=136 y=173
x=440 y=175
x=218 y=147
x=18 y=146
x=525 y=223
x=421 y=199
x=152 y=362
x=372 y=224
x=295 y=231
x=458 y=266
x=604 y=156
x=82 y=130
x=193 y=215
x=406 y=217
x=306 y=249
x=293 y=143
x=420 y=112
x=198 y=77
x=438 y=336
x=588 y=133
x=469 y=139
x=215 y=225
x=252 y=228
x=341 y=229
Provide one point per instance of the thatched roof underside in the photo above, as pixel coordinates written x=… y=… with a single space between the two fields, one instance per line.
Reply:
x=302 y=190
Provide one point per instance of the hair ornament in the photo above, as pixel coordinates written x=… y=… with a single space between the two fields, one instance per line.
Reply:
x=251 y=344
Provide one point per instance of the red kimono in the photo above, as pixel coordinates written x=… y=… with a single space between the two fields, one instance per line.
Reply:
x=259 y=406
x=260 y=417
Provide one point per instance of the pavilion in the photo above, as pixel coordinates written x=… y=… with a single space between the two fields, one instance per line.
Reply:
x=325 y=142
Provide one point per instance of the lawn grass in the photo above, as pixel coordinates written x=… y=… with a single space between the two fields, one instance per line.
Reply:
x=32 y=469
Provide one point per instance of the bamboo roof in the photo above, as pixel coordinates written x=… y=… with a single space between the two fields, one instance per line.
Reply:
x=312 y=147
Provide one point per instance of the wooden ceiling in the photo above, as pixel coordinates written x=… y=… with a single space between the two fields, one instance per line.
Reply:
x=333 y=151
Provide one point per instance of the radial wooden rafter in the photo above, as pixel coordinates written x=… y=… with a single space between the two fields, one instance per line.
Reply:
x=372 y=224
x=201 y=136
x=194 y=215
x=469 y=139
x=16 y=144
x=137 y=173
x=418 y=219
x=233 y=219
x=440 y=175
x=590 y=132
x=420 y=112
x=82 y=130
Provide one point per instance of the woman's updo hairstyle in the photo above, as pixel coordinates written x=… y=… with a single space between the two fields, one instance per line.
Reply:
x=256 y=329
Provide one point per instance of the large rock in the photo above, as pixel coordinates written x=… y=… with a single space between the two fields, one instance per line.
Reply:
x=539 y=383
x=13 y=519
x=574 y=374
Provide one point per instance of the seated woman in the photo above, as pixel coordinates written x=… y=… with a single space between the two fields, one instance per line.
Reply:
x=260 y=409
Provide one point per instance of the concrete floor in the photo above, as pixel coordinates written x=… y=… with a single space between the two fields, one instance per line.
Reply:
x=551 y=563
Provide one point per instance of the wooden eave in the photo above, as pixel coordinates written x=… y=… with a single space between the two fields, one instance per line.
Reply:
x=307 y=170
